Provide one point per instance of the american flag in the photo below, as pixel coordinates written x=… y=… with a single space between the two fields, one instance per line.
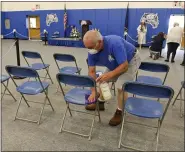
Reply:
x=65 y=19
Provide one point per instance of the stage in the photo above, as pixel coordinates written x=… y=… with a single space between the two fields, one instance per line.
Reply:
x=68 y=42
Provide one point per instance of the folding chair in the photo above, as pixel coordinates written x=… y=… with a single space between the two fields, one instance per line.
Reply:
x=67 y=58
x=37 y=66
x=5 y=78
x=76 y=96
x=145 y=108
x=29 y=88
x=181 y=99
x=99 y=72
x=153 y=67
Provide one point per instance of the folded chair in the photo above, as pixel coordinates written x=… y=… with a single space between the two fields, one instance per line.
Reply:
x=181 y=99
x=76 y=96
x=5 y=78
x=145 y=108
x=37 y=66
x=29 y=88
x=155 y=68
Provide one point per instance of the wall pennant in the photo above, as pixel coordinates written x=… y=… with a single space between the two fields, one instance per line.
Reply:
x=151 y=18
x=51 y=18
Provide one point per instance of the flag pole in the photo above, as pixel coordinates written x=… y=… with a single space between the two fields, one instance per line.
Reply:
x=126 y=21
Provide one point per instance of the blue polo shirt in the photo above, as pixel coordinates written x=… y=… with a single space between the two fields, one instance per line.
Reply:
x=115 y=51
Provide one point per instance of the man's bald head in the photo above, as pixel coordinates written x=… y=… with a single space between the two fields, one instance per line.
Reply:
x=91 y=38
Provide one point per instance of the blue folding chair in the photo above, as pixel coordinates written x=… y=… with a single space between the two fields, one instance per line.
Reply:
x=99 y=72
x=37 y=66
x=67 y=58
x=153 y=67
x=77 y=96
x=145 y=108
x=29 y=88
x=5 y=78
x=181 y=99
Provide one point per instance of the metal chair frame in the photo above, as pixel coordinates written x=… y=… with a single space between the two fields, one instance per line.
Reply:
x=74 y=60
x=6 y=89
x=160 y=121
x=181 y=99
x=26 y=101
x=96 y=112
x=155 y=71
x=47 y=69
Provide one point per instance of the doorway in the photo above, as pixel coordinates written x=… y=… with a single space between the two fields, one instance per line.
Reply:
x=34 y=27
x=179 y=19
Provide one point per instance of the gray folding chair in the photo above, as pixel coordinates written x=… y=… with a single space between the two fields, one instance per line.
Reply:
x=37 y=66
x=29 y=88
x=181 y=99
x=145 y=108
x=77 y=96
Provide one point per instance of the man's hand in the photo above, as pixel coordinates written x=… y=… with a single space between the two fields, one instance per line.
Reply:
x=104 y=77
x=92 y=97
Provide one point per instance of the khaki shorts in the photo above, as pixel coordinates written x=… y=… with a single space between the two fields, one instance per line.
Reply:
x=130 y=74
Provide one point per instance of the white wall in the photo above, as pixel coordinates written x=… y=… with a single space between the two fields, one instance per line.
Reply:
x=21 y=6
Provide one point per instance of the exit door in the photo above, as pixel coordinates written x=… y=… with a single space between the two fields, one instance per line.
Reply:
x=34 y=27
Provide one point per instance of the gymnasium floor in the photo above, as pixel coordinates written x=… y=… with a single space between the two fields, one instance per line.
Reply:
x=24 y=136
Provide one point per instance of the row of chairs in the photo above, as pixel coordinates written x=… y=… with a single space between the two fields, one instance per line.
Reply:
x=136 y=106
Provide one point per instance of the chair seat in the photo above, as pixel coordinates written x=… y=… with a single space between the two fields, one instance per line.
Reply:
x=32 y=87
x=144 y=107
x=39 y=66
x=4 y=78
x=77 y=96
x=70 y=70
x=149 y=80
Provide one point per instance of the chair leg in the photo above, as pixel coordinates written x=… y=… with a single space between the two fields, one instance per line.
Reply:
x=181 y=111
x=18 y=108
x=69 y=109
x=177 y=96
x=92 y=125
x=47 y=70
x=6 y=88
x=42 y=111
x=98 y=109
x=46 y=93
x=62 y=124
x=158 y=132
x=121 y=134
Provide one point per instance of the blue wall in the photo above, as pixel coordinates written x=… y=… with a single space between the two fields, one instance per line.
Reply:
x=109 y=21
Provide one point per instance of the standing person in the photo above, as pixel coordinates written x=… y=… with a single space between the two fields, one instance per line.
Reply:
x=142 y=30
x=183 y=62
x=173 y=41
x=157 y=44
x=121 y=60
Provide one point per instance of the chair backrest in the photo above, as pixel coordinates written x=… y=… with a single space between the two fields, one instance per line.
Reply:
x=148 y=90
x=76 y=80
x=30 y=54
x=64 y=57
x=21 y=71
x=154 y=67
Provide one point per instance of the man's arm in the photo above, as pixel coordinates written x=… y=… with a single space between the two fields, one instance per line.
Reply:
x=92 y=73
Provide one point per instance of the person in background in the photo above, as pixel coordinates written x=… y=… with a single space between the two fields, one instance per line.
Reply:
x=157 y=44
x=183 y=62
x=121 y=60
x=142 y=30
x=173 y=40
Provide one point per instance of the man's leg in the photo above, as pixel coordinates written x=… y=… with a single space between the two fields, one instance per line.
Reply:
x=117 y=118
x=175 y=46
x=169 y=52
x=122 y=96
